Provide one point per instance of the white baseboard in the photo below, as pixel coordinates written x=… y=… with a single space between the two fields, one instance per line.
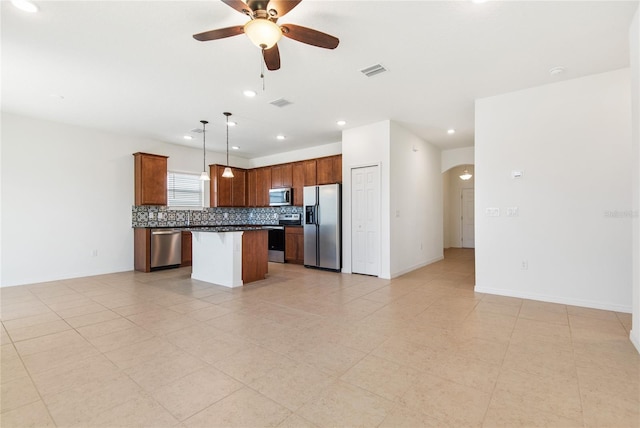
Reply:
x=555 y=299
x=418 y=266
x=635 y=340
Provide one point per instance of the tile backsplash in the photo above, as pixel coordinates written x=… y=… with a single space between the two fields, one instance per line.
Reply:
x=160 y=216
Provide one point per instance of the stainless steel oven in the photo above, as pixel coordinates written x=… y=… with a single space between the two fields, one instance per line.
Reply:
x=276 y=243
x=277 y=236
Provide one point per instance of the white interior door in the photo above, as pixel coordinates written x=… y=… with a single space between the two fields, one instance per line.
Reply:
x=468 y=228
x=365 y=220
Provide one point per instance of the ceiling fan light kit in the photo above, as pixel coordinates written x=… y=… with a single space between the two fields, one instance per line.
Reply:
x=263 y=31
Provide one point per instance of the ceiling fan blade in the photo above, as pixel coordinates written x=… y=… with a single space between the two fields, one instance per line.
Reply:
x=282 y=7
x=238 y=5
x=220 y=33
x=272 y=58
x=309 y=36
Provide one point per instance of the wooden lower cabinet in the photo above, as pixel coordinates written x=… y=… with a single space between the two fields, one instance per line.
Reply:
x=186 y=249
x=294 y=244
x=255 y=257
x=142 y=249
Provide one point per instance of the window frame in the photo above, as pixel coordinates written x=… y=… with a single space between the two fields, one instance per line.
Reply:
x=183 y=203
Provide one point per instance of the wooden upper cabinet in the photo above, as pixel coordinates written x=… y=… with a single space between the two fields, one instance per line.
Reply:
x=227 y=192
x=150 y=179
x=281 y=175
x=263 y=184
x=276 y=176
x=298 y=183
x=310 y=172
x=252 y=188
x=239 y=188
x=329 y=169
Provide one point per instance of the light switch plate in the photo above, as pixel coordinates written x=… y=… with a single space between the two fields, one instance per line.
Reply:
x=492 y=212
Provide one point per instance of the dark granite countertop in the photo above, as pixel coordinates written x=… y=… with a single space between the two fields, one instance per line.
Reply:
x=220 y=228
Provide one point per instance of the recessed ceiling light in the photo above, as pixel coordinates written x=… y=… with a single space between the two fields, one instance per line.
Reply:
x=232 y=123
x=556 y=70
x=249 y=93
x=188 y=137
x=451 y=131
x=341 y=123
x=25 y=5
x=280 y=137
x=235 y=147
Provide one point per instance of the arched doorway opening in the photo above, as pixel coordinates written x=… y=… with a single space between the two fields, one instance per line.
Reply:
x=458 y=207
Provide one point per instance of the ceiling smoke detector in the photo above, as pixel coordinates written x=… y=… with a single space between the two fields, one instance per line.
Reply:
x=556 y=71
x=373 y=70
x=280 y=102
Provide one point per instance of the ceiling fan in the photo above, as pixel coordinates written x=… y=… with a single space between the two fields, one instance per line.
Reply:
x=263 y=31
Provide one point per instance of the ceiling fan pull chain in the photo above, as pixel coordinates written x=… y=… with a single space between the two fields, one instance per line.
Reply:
x=262 y=69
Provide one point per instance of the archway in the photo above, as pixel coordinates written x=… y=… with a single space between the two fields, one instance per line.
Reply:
x=458 y=211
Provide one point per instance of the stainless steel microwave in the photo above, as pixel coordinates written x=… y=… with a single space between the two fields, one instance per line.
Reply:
x=279 y=197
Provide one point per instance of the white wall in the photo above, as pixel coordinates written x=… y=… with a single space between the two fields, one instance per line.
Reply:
x=67 y=191
x=572 y=139
x=455 y=157
x=634 y=43
x=410 y=195
x=446 y=209
x=366 y=146
x=452 y=192
x=415 y=202
x=297 y=155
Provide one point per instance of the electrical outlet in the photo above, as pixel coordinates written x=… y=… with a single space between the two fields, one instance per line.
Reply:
x=94 y=253
x=512 y=212
x=524 y=265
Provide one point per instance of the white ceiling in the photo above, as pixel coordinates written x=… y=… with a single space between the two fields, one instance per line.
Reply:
x=133 y=67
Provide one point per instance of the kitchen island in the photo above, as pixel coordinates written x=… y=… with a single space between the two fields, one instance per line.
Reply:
x=229 y=256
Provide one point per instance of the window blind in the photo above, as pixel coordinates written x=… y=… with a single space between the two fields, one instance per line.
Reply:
x=184 y=190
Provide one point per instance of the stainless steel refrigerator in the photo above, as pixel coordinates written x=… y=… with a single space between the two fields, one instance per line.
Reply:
x=322 y=234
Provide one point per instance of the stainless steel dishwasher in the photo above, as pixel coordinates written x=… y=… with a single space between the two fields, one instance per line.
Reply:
x=166 y=248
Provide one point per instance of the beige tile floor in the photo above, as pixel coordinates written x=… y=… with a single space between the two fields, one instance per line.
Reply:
x=307 y=348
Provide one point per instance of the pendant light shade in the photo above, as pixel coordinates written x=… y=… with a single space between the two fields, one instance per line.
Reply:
x=227 y=173
x=465 y=175
x=204 y=176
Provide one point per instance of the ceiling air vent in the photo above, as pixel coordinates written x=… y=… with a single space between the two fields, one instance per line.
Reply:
x=280 y=102
x=373 y=70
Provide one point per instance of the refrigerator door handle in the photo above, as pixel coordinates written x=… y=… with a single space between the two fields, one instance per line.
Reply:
x=317 y=214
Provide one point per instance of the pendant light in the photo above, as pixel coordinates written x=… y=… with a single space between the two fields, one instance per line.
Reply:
x=227 y=173
x=465 y=175
x=204 y=176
